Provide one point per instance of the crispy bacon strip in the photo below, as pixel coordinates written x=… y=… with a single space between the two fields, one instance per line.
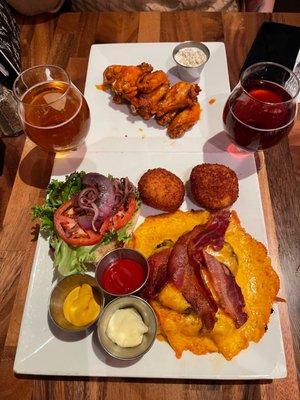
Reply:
x=158 y=273
x=192 y=287
x=212 y=234
x=186 y=262
x=230 y=294
x=183 y=265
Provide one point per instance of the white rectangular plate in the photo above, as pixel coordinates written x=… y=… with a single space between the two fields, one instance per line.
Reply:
x=114 y=128
x=44 y=350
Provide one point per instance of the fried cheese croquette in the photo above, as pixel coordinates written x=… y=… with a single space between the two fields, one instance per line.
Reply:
x=161 y=189
x=214 y=186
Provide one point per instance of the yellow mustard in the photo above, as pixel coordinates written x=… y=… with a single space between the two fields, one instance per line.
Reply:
x=80 y=307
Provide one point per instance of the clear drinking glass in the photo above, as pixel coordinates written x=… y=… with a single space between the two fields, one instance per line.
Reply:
x=261 y=109
x=53 y=112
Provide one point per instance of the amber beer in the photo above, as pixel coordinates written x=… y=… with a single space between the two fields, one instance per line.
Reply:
x=55 y=116
x=54 y=113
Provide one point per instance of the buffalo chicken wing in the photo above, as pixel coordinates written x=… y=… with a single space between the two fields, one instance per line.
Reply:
x=181 y=95
x=146 y=104
x=150 y=95
x=184 y=120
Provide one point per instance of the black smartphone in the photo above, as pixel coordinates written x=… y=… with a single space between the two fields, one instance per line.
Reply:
x=275 y=42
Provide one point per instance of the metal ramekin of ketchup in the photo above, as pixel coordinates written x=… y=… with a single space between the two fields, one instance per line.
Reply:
x=122 y=272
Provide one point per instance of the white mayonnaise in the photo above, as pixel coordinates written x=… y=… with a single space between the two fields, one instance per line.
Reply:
x=126 y=328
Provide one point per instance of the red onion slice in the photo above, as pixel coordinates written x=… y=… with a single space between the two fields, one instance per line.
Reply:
x=87 y=198
x=106 y=194
x=85 y=221
x=124 y=189
x=100 y=198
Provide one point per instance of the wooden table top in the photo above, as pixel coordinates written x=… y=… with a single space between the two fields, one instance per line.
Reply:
x=65 y=40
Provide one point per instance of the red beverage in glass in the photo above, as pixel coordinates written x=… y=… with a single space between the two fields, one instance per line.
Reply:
x=259 y=112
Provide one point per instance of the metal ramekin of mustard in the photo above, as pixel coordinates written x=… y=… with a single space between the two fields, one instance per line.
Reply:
x=76 y=303
x=80 y=307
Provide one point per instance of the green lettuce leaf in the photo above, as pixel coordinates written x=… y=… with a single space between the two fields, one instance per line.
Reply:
x=57 y=193
x=74 y=260
x=71 y=260
x=124 y=233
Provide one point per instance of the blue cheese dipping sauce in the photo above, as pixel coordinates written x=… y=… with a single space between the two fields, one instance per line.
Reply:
x=190 y=57
x=126 y=327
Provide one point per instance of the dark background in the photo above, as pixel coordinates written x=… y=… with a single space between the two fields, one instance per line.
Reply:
x=287 y=6
x=280 y=6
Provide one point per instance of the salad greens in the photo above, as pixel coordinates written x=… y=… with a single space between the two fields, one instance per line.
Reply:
x=68 y=259
x=71 y=260
x=57 y=193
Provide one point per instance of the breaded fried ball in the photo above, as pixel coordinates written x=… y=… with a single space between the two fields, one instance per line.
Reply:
x=214 y=186
x=161 y=189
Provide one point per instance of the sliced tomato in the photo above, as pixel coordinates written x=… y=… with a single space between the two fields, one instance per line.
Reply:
x=105 y=226
x=124 y=215
x=69 y=230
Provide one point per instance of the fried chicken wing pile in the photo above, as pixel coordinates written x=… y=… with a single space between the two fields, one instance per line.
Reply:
x=150 y=95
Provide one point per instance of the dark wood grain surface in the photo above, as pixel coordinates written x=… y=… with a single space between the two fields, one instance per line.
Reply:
x=65 y=40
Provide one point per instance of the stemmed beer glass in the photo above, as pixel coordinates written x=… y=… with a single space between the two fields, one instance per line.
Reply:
x=54 y=113
x=261 y=109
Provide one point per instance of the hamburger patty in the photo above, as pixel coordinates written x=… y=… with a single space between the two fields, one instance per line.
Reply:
x=214 y=186
x=161 y=189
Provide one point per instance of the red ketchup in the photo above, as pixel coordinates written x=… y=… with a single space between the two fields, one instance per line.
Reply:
x=123 y=276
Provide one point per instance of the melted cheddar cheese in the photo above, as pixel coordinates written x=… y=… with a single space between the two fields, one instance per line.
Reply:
x=248 y=261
